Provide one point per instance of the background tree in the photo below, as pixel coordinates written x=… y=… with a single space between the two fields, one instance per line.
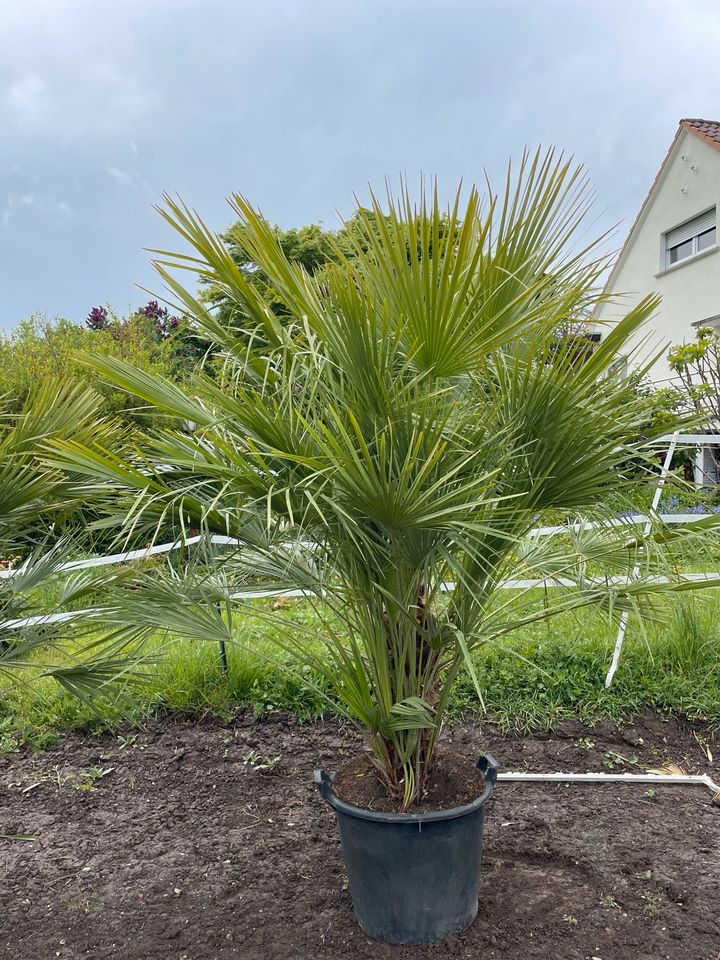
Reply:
x=311 y=247
x=697 y=365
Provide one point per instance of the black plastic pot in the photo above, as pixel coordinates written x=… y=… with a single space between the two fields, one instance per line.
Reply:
x=414 y=878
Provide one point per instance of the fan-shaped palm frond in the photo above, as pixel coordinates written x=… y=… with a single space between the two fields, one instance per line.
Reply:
x=406 y=424
x=32 y=495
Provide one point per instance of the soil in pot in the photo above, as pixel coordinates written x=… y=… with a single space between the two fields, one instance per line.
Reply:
x=452 y=782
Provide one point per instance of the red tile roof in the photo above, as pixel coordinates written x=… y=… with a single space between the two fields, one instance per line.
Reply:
x=707 y=130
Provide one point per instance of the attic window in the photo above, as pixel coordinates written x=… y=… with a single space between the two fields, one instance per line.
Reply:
x=690 y=238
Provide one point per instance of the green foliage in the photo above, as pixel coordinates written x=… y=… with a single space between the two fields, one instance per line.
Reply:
x=29 y=489
x=312 y=248
x=664 y=413
x=33 y=500
x=698 y=368
x=548 y=673
x=691 y=645
x=536 y=685
x=408 y=423
x=41 y=351
x=698 y=364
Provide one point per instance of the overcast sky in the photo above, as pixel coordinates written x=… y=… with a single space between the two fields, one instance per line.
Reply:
x=298 y=103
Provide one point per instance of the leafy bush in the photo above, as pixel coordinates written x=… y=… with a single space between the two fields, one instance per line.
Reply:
x=38 y=351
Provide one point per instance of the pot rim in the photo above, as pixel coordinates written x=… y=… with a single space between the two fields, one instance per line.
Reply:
x=487 y=764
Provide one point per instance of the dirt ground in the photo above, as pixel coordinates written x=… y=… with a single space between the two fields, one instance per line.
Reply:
x=175 y=844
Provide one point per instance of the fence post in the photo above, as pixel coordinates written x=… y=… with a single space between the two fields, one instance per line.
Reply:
x=636 y=570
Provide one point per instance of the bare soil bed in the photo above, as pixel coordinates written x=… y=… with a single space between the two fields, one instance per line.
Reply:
x=187 y=850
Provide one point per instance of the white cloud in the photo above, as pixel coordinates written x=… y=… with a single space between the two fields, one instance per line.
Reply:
x=129 y=178
x=62 y=209
x=95 y=100
x=120 y=175
x=25 y=100
x=22 y=199
x=20 y=204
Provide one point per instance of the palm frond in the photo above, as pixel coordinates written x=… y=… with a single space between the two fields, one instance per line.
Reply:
x=404 y=420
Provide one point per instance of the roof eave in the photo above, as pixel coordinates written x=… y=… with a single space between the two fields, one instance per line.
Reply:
x=636 y=222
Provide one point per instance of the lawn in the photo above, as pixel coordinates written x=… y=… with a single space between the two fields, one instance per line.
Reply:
x=542 y=675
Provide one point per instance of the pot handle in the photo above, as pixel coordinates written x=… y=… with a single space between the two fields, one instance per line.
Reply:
x=488 y=766
x=323 y=781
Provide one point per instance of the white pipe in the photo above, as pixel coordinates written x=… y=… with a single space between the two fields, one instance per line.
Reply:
x=635 y=519
x=145 y=552
x=693 y=439
x=665 y=780
x=158 y=548
x=129 y=555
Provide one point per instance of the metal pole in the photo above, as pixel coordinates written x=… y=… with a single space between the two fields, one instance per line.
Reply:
x=221 y=645
x=223 y=657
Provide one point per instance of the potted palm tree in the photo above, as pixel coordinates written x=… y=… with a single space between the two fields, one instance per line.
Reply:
x=383 y=437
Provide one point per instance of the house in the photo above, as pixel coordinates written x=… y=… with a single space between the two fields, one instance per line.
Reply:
x=672 y=246
x=672 y=250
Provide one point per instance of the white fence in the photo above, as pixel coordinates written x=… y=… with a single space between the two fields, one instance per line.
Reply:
x=646 y=520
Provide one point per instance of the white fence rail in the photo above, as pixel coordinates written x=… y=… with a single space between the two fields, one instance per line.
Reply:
x=130 y=555
x=47 y=619
x=671 y=441
x=218 y=540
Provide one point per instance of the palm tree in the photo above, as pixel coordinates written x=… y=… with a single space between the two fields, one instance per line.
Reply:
x=33 y=500
x=402 y=431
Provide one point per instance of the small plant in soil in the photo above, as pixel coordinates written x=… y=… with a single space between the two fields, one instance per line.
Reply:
x=653 y=902
x=86 y=779
x=127 y=741
x=9 y=742
x=612 y=760
x=78 y=903
x=259 y=763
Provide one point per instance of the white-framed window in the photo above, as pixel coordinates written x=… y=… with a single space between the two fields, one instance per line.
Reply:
x=690 y=238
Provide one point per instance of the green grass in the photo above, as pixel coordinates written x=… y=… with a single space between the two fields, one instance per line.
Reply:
x=545 y=674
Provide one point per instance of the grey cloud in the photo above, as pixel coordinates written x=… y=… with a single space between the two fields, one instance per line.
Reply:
x=298 y=103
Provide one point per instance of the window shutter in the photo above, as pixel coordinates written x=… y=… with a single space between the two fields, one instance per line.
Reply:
x=690 y=229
